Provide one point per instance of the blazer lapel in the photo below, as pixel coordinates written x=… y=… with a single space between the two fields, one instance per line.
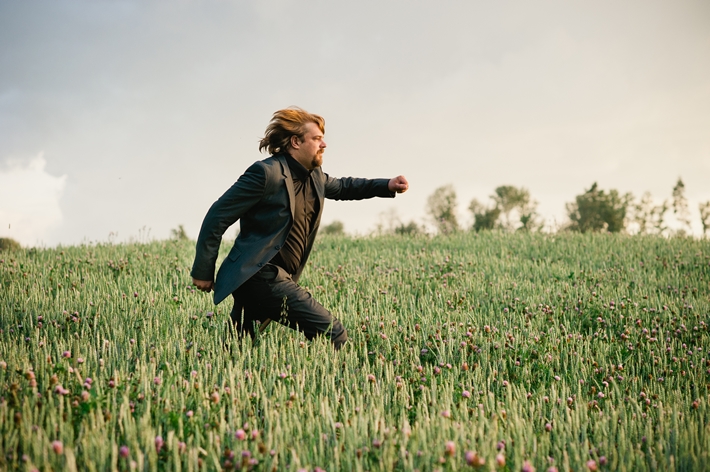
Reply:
x=318 y=184
x=289 y=185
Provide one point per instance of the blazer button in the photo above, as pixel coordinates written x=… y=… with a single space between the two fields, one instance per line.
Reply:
x=260 y=264
x=278 y=248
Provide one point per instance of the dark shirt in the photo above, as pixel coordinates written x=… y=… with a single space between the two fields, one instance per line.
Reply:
x=305 y=208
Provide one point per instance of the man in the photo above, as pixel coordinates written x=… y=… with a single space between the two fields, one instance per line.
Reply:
x=279 y=201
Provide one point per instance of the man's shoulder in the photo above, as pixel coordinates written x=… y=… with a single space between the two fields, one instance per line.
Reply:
x=270 y=164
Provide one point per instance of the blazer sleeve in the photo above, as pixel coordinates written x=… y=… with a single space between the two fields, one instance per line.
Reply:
x=350 y=188
x=223 y=213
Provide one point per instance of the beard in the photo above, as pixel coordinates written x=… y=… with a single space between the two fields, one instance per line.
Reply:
x=317 y=160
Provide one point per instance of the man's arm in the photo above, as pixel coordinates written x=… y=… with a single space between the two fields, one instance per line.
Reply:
x=349 y=188
x=223 y=213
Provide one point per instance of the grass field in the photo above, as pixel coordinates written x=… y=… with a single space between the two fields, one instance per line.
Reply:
x=472 y=351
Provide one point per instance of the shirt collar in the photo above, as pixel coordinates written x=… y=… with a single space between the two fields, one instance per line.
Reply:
x=297 y=170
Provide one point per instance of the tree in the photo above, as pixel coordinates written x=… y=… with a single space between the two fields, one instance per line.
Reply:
x=680 y=206
x=484 y=218
x=509 y=204
x=9 y=244
x=596 y=210
x=441 y=206
x=336 y=227
x=507 y=198
x=705 y=216
x=649 y=217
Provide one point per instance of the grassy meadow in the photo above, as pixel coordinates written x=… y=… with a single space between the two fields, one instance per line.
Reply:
x=467 y=352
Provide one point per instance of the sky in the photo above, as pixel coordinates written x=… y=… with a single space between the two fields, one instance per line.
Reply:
x=120 y=120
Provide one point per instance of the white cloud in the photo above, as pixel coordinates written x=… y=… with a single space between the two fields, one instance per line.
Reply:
x=29 y=201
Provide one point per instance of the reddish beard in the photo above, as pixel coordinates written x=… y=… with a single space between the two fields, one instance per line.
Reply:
x=317 y=160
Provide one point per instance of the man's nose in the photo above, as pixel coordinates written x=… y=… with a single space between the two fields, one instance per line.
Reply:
x=323 y=144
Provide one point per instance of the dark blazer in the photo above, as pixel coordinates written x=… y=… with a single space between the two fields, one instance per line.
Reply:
x=263 y=199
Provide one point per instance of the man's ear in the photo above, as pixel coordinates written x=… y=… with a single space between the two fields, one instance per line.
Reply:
x=295 y=142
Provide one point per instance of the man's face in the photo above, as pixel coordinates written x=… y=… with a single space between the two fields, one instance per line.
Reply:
x=309 y=152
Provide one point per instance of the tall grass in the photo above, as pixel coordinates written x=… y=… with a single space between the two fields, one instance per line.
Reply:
x=472 y=350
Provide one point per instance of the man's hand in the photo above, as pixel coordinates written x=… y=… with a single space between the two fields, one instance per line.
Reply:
x=398 y=184
x=204 y=285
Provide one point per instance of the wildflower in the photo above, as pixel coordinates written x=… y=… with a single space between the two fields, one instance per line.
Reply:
x=189 y=413
x=446 y=414
x=80 y=360
x=473 y=459
x=371 y=378
x=548 y=427
x=602 y=460
x=123 y=451
x=58 y=447
x=469 y=456
x=500 y=460
x=376 y=443
x=528 y=467
x=592 y=465
x=156 y=380
x=159 y=443
x=66 y=354
x=254 y=433
x=85 y=396
x=450 y=448
x=466 y=394
x=214 y=397
x=240 y=434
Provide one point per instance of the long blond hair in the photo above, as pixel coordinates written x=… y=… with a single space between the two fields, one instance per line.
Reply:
x=285 y=123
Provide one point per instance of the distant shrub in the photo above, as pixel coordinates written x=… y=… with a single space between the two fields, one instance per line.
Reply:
x=336 y=227
x=179 y=233
x=441 y=206
x=513 y=209
x=9 y=244
x=649 y=217
x=596 y=210
x=484 y=218
x=705 y=216
x=409 y=229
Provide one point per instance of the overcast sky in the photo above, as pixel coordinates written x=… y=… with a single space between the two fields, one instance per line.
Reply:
x=124 y=119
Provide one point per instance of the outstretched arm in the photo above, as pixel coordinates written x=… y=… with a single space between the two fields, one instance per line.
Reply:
x=349 y=188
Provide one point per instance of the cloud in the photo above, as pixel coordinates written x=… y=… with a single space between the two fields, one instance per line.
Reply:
x=29 y=201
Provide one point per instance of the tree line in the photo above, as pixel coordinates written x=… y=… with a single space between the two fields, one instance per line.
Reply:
x=595 y=210
x=512 y=208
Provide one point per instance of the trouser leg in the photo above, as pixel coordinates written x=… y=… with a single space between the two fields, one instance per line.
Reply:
x=273 y=294
x=240 y=325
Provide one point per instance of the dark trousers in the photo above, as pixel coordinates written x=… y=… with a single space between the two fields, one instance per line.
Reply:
x=272 y=293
